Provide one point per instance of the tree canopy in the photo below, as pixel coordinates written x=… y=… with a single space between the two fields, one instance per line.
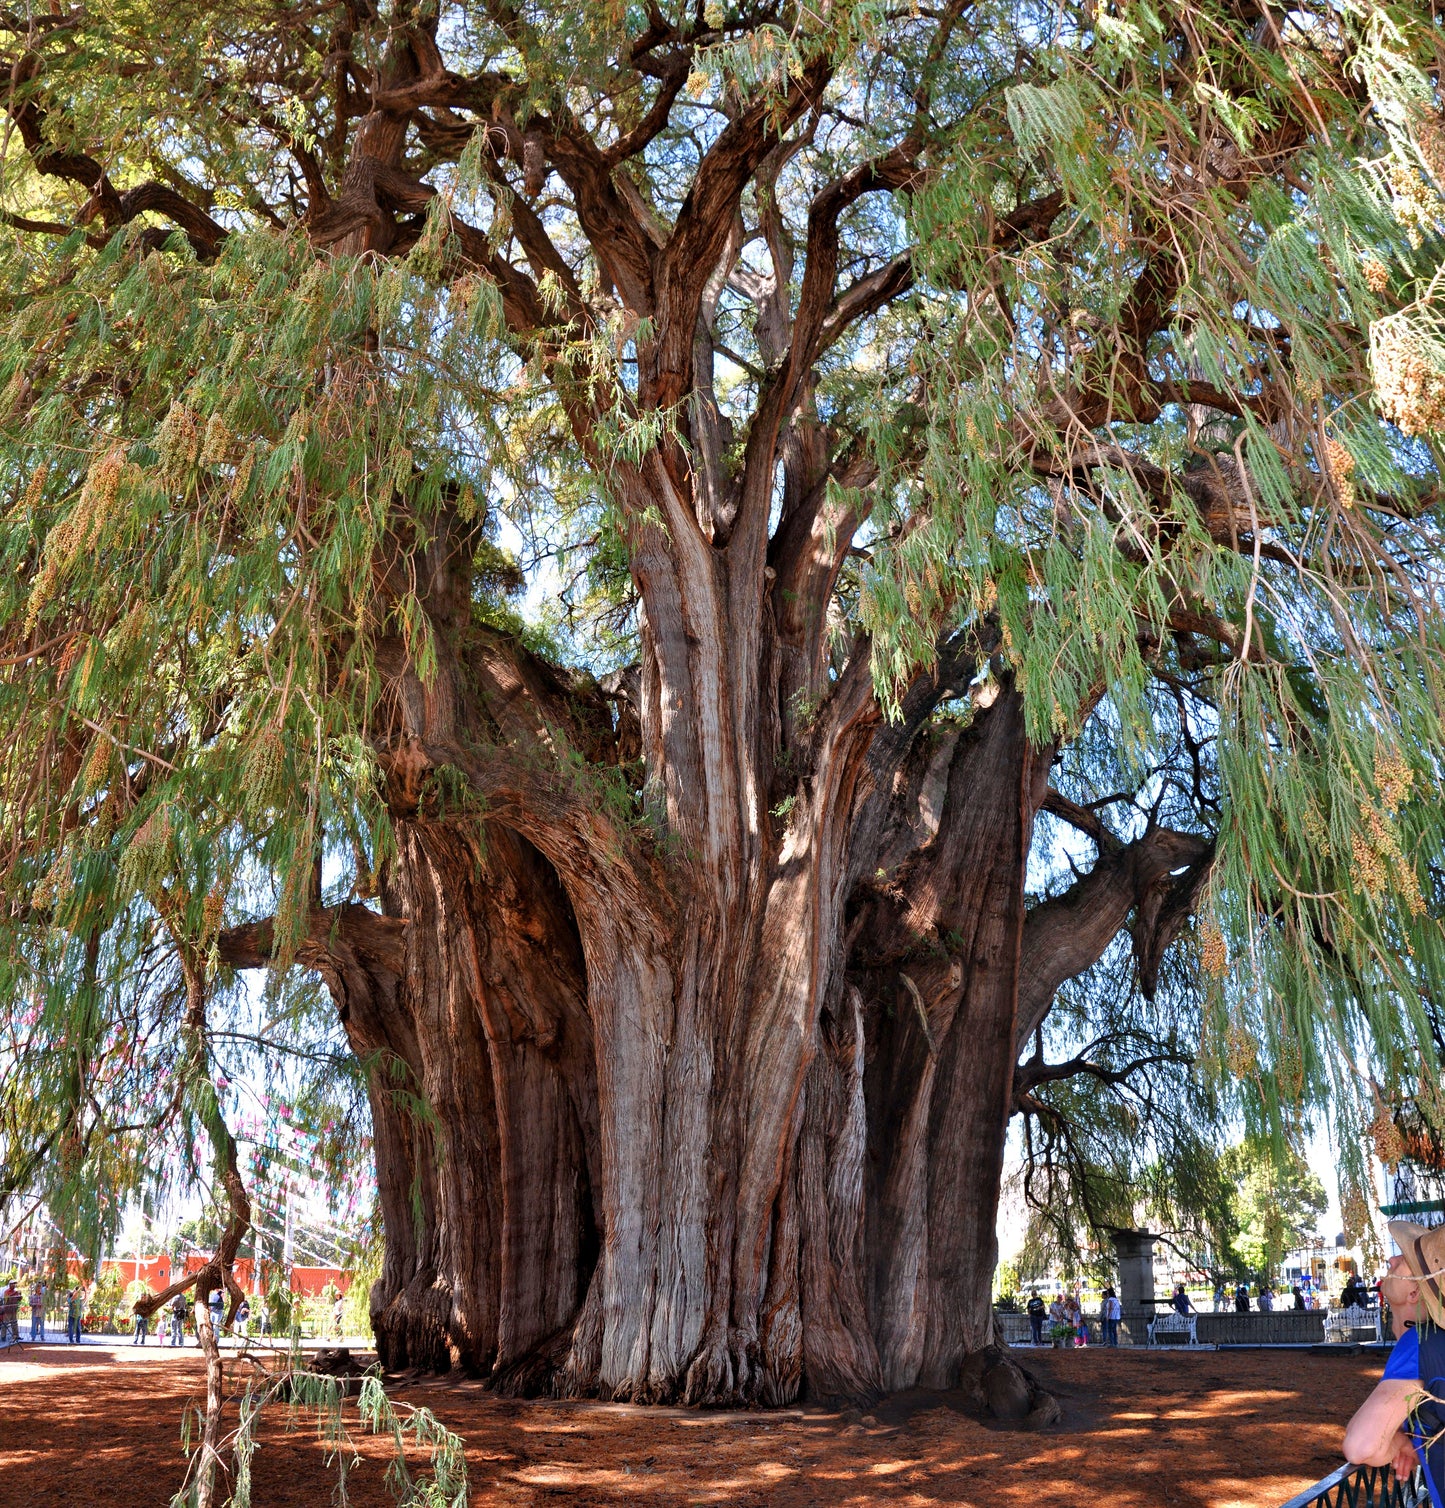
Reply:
x=930 y=358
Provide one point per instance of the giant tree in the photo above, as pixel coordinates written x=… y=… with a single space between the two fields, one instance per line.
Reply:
x=917 y=431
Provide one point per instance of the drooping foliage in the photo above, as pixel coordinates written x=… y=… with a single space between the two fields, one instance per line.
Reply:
x=1117 y=1127
x=1096 y=350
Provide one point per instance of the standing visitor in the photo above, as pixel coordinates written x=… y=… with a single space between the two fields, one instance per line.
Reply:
x=264 y=1313
x=1058 y=1314
x=178 y=1320
x=1035 y=1310
x=1219 y=1300
x=142 y=1326
x=338 y=1310
x=1266 y=1300
x=217 y=1305
x=1241 y=1298
x=74 y=1313
x=1179 y=1303
x=37 y=1312
x=1113 y=1312
x=1074 y=1319
x=1299 y=1298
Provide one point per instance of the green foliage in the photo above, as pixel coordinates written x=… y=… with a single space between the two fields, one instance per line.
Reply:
x=296 y=1393
x=104 y=1299
x=1138 y=1143
x=1276 y=1204
x=280 y=1305
x=1006 y=1286
x=201 y=1231
x=364 y=1262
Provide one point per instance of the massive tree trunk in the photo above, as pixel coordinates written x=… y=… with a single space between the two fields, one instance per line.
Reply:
x=707 y=1103
x=710 y=1107
x=670 y=1151
x=633 y=1146
x=947 y=963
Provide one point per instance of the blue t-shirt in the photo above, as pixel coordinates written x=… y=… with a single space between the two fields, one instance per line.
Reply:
x=1404 y=1357
x=1404 y=1362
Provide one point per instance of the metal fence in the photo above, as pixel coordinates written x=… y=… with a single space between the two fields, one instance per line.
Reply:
x=1282 y=1327
x=1363 y=1487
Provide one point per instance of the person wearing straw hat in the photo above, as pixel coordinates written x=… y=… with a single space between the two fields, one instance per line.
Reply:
x=1401 y=1424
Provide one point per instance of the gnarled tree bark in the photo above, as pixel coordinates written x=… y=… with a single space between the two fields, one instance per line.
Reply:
x=708 y=1132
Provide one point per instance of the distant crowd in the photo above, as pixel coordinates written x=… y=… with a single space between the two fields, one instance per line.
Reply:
x=171 y=1320
x=1068 y=1325
x=1356 y=1294
x=1066 y=1318
x=13 y=1303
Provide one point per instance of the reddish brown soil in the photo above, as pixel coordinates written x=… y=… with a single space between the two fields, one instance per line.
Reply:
x=1242 y=1429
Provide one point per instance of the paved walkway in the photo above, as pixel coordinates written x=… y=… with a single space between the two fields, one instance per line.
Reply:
x=125 y=1345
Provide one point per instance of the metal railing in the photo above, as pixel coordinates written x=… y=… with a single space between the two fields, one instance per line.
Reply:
x=1282 y=1327
x=1363 y=1487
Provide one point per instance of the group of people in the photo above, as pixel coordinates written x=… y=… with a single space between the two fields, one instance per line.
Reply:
x=1066 y=1318
x=12 y=1301
x=1355 y=1294
x=1265 y=1299
x=171 y=1329
x=216 y=1306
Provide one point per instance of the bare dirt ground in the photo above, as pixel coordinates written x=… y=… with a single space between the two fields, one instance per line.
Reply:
x=1243 y=1429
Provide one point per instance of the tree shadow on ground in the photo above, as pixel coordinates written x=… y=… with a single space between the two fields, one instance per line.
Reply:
x=101 y=1426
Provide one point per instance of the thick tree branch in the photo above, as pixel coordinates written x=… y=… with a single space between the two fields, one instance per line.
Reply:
x=672 y=74
x=1030 y=1075
x=1070 y=933
x=352 y=927
x=114 y=209
x=1082 y=818
x=865 y=296
x=704 y=222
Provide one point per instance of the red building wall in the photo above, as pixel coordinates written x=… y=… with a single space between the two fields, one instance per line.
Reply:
x=156 y=1273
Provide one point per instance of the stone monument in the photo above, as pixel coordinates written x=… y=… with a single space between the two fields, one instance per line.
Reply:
x=1135 y=1252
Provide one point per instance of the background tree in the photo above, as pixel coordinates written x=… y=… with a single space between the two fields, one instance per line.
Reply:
x=202 y=1230
x=938 y=430
x=1276 y=1208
